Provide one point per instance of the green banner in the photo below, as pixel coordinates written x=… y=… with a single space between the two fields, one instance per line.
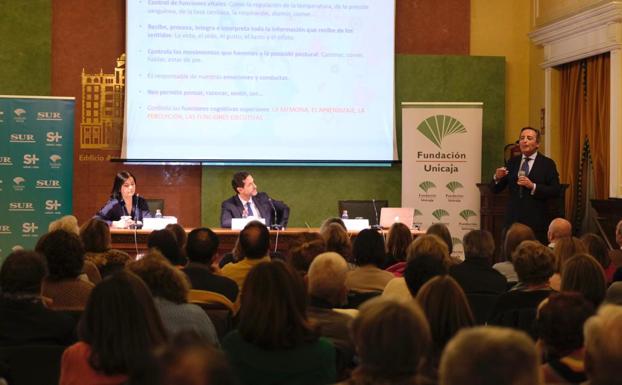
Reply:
x=36 y=167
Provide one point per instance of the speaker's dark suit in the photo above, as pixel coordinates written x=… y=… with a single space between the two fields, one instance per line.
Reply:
x=233 y=208
x=523 y=207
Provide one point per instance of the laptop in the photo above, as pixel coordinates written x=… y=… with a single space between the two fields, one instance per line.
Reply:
x=390 y=215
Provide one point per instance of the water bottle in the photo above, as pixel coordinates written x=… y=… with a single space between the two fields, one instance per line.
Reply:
x=344 y=214
x=158 y=213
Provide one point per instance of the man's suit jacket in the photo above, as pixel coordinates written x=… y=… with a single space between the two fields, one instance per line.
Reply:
x=233 y=208
x=523 y=207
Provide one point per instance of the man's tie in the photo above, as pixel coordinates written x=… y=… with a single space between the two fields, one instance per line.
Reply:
x=525 y=166
x=249 y=210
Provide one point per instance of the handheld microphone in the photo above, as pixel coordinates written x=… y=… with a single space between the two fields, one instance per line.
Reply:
x=377 y=224
x=274 y=225
x=520 y=191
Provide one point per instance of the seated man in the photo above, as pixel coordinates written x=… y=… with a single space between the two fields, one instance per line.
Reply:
x=249 y=203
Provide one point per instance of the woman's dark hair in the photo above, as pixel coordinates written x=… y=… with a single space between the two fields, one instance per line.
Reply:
x=95 y=236
x=328 y=221
x=398 y=241
x=582 y=273
x=565 y=248
x=443 y=233
x=180 y=236
x=22 y=273
x=560 y=320
x=368 y=248
x=478 y=244
x=597 y=248
x=517 y=233
x=273 y=311
x=121 y=324
x=119 y=179
x=166 y=243
x=64 y=254
x=163 y=279
x=447 y=309
x=427 y=257
x=533 y=262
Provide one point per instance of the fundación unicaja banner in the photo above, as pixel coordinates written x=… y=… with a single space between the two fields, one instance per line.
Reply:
x=441 y=164
x=36 y=167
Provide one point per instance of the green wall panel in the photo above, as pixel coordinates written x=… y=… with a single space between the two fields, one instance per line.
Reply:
x=312 y=192
x=25 y=54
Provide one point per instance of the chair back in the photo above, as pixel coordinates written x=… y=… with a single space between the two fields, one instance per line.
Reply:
x=31 y=364
x=155 y=204
x=367 y=209
x=218 y=308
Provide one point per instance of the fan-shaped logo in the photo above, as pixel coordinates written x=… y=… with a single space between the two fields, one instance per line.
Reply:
x=437 y=127
x=453 y=186
x=466 y=214
x=456 y=241
x=426 y=185
x=19 y=115
x=418 y=213
x=439 y=213
x=55 y=161
x=19 y=183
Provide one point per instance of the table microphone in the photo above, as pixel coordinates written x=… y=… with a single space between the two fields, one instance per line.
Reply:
x=377 y=225
x=520 y=191
x=275 y=225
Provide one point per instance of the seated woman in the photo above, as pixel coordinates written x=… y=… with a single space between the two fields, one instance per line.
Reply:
x=369 y=254
x=337 y=239
x=583 y=274
x=517 y=233
x=275 y=343
x=564 y=249
x=64 y=285
x=169 y=287
x=166 y=243
x=398 y=241
x=124 y=208
x=95 y=236
x=118 y=331
x=598 y=249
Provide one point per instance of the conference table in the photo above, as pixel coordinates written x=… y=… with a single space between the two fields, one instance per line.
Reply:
x=135 y=241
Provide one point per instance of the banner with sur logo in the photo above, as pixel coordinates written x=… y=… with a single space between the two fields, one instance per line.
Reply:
x=441 y=163
x=36 y=167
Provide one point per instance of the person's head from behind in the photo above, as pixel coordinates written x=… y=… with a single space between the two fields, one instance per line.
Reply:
x=426 y=258
x=442 y=231
x=368 y=248
x=619 y=233
x=327 y=278
x=21 y=274
x=398 y=241
x=478 y=244
x=447 y=309
x=273 y=310
x=68 y=223
x=597 y=248
x=95 y=236
x=559 y=323
x=583 y=274
x=121 y=324
x=163 y=279
x=603 y=350
x=180 y=234
x=64 y=254
x=566 y=248
x=244 y=184
x=516 y=234
x=255 y=240
x=559 y=228
x=124 y=185
x=202 y=245
x=166 y=243
x=533 y=263
x=328 y=221
x=392 y=339
x=338 y=240
x=490 y=355
x=305 y=250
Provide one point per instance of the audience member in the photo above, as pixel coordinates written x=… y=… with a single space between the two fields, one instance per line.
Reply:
x=564 y=249
x=614 y=294
x=392 y=340
x=95 y=236
x=447 y=310
x=275 y=343
x=517 y=233
x=337 y=239
x=201 y=250
x=254 y=246
x=24 y=320
x=616 y=254
x=559 y=324
x=166 y=243
x=180 y=236
x=598 y=249
x=169 y=287
x=517 y=308
x=118 y=330
x=327 y=290
x=475 y=274
x=398 y=241
x=328 y=221
x=69 y=223
x=369 y=254
x=487 y=355
x=558 y=228
x=583 y=274
x=304 y=250
x=443 y=233
x=603 y=350
x=64 y=254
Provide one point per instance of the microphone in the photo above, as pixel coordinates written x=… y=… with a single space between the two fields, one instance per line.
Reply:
x=520 y=191
x=274 y=225
x=377 y=225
